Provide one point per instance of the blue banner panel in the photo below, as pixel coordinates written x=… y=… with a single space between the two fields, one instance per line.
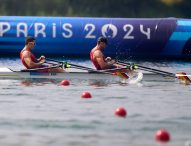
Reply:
x=76 y=36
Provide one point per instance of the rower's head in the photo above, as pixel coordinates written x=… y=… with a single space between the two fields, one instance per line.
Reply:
x=30 y=41
x=102 y=42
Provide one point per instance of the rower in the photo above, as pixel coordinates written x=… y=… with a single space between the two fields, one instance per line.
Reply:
x=100 y=61
x=97 y=57
x=31 y=62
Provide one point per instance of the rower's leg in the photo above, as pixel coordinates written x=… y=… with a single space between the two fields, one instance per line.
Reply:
x=56 y=70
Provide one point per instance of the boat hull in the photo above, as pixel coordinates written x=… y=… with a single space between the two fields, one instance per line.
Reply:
x=82 y=75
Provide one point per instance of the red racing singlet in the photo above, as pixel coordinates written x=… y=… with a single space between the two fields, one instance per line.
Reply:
x=98 y=67
x=32 y=56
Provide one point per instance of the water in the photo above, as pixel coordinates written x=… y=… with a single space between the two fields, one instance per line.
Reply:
x=43 y=113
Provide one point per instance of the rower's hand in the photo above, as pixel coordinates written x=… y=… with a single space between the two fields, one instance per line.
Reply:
x=42 y=57
x=108 y=59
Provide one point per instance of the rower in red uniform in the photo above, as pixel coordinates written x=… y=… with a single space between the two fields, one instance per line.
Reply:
x=30 y=61
x=97 y=57
x=101 y=62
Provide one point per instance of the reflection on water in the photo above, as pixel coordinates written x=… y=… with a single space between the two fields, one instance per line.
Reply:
x=42 y=82
x=76 y=82
x=38 y=82
x=100 y=83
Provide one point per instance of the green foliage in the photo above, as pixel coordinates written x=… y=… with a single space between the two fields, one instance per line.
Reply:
x=96 y=8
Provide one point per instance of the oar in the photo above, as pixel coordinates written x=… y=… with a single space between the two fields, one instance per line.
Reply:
x=147 y=69
x=91 y=70
x=68 y=65
x=181 y=76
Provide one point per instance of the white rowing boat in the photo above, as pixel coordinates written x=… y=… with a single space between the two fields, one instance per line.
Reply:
x=7 y=73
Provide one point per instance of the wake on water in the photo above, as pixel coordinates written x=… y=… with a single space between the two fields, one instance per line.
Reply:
x=133 y=78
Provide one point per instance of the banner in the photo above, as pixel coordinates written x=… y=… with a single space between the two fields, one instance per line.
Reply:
x=76 y=36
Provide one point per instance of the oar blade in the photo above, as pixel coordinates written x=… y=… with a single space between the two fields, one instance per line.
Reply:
x=183 y=77
x=121 y=75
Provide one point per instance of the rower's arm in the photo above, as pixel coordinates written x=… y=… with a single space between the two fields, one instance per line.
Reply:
x=103 y=64
x=30 y=63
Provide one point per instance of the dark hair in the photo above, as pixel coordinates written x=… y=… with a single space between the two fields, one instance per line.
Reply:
x=102 y=39
x=29 y=39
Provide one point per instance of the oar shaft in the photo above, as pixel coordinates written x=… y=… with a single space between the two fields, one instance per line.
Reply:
x=75 y=65
x=80 y=67
x=48 y=59
x=158 y=72
x=89 y=69
x=114 y=69
x=150 y=69
x=169 y=73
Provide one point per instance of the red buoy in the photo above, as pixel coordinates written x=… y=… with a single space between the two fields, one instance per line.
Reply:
x=65 y=83
x=121 y=112
x=162 y=135
x=86 y=95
